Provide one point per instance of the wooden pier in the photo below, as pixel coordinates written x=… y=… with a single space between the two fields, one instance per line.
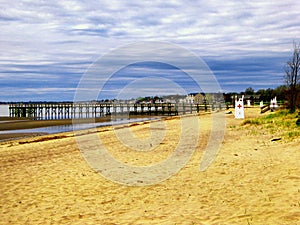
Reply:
x=51 y=111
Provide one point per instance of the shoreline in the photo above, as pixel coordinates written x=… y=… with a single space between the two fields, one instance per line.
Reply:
x=8 y=123
x=11 y=124
x=13 y=129
x=11 y=136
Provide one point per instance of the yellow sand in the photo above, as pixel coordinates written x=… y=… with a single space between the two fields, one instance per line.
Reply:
x=45 y=180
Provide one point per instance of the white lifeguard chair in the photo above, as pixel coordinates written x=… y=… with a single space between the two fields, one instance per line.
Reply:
x=239 y=108
x=273 y=104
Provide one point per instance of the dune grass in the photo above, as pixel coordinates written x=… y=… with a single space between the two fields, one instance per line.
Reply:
x=280 y=123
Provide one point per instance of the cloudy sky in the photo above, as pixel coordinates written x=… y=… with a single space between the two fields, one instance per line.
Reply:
x=46 y=46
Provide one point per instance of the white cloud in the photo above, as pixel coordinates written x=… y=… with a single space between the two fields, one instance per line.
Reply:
x=63 y=32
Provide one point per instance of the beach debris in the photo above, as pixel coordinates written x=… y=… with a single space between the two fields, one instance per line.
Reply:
x=239 y=108
x=276 y=139
x=264 y=108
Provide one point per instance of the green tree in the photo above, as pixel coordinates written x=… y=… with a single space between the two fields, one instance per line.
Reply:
x=280 y=92
x=249 y=91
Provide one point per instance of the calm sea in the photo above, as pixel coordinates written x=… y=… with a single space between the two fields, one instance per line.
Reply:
x=4 y=110
x=67 y=128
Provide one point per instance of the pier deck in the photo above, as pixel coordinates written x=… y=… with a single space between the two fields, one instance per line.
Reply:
x=46 y=111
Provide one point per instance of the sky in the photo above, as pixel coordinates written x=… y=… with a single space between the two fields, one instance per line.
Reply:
x=48 y=46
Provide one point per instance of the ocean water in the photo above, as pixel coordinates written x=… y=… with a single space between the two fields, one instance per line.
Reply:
x=67 y=128
x=4 y=110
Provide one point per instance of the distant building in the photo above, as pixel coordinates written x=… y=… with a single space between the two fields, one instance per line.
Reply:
x=189 y=99
x=194 y=98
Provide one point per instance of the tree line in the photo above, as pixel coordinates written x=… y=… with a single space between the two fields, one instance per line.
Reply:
x=264 y=94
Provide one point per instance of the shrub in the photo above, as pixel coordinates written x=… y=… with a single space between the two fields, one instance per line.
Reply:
x=251 y=122
x=298 y=122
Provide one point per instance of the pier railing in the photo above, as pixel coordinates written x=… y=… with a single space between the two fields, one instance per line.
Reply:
x=47 y=111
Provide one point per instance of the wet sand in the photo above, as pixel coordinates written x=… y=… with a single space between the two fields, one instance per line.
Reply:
x=253 y=180
x=19 y=135
x=24 y=123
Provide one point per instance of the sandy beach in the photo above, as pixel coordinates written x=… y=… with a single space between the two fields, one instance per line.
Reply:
x=255 y=178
